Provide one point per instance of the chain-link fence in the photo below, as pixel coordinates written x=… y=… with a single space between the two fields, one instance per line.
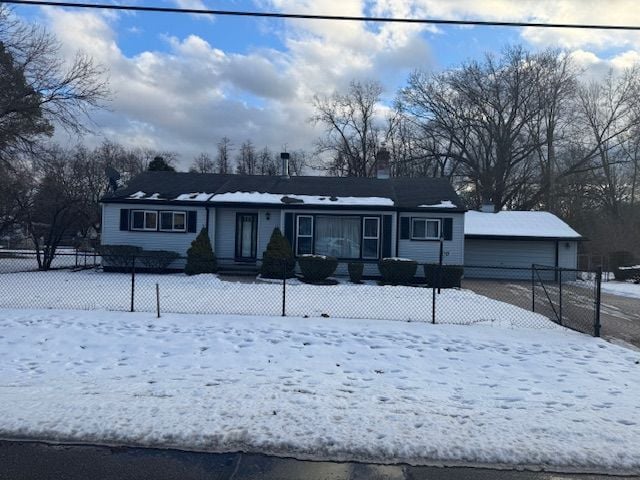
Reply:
x=427 y=293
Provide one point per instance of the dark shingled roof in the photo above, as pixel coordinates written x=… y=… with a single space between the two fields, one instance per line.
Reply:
x=406 y=193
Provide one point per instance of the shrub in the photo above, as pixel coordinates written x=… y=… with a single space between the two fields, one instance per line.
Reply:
x=451 y=275
x=158 y=260
x=200 y=256
x=355 y=272
x=316 y=268
x=118 y=256
x=277 y=259
x=397 y=271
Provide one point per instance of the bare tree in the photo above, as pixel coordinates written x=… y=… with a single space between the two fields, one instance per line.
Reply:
x=247 y=159
x=267 y=164
x=223 y=158
x=203 y=163
x=38 y=89
x=352 y=130
x=298 y=162
x=479 y=115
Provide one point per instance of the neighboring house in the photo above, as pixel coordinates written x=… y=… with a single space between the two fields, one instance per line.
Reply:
x=516 y=239
x=353 y=219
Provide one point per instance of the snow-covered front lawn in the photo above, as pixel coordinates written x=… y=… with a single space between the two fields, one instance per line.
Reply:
x=624 y=289
x=95 y=290
x=382 y=391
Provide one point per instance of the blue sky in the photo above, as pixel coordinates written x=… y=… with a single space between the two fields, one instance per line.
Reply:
x=181 y=82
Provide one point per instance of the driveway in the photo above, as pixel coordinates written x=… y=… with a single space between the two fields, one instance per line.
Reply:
x=619 y=316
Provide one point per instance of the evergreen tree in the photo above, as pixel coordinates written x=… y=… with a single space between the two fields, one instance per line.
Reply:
x=200 y=256
x=277 y=260
x=159 y=164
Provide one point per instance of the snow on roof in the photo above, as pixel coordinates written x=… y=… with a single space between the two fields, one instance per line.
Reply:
x=279 y=198
x=194 y=197
x=443 y=204
x=517 y=224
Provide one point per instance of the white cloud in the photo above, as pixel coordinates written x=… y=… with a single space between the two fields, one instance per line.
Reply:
x=190 y=95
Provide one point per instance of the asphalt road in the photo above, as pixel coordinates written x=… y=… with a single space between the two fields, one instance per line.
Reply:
x=38 y=461
x=619 y=316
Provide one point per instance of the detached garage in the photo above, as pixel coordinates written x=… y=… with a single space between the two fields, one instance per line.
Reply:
x=497 y=244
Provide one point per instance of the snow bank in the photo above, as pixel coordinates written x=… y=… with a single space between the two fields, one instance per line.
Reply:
x=320 y=388
x=624 y=289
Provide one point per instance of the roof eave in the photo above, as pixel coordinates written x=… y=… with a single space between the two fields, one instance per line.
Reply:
x=523 y=237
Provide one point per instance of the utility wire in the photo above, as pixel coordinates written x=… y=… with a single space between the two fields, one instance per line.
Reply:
x=304 y=16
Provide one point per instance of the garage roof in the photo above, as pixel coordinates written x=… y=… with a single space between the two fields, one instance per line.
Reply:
x=517 y=225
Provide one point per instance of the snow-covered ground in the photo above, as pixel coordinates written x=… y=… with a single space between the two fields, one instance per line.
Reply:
x=94 y=290
x=625 y=289
x=321 y=388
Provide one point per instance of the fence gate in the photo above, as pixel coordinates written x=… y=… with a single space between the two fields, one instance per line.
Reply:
x=568 y=297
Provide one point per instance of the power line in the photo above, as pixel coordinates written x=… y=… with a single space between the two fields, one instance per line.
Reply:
x=304 y=16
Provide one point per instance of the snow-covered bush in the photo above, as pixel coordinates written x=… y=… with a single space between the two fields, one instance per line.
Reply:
x=316 y=268
x=118 y=256
x=451 y=275
x=277 y=259
x=397 y=271
x=200 y=256
x=158 y=260
x=355 y=271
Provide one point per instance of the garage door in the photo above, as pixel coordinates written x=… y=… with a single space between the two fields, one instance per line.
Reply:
x=501 y=254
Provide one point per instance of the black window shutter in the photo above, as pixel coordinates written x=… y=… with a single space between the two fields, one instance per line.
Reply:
x=124 y=219
x=288 y=228
x=405 y=228
x=447 y=228
x=192 y=221
x=386 y=236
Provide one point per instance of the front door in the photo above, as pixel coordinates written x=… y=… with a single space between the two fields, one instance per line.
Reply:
x=246 y=236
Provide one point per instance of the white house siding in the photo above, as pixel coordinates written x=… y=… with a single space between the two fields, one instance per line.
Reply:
x=429 y=251
x=225 y=230
x=178 y=242
x=568 y=254
x=371 y=266
x=506 y=253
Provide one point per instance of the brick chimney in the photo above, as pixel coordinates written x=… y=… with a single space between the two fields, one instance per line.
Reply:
x=382 y=162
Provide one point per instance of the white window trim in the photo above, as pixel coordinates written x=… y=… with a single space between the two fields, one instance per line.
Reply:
x=424 y=219
x=298 y=236
x=173 y=221
x=365 y=237
x=144 y=221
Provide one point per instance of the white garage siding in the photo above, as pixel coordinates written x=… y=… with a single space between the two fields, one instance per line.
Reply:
x=506 y=253
x=568 y=254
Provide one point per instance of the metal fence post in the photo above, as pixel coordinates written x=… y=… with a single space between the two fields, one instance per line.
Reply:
x=560 y=295
x=284 y=287
x=433 y=302
x=158 y=299
x=596 y=326
x=440 y=263
x=133 y=281
x=533 y=288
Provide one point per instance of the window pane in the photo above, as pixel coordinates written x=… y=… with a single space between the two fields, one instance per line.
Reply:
x=338 y=236
x=151 y=220
x=138 y=219
x=304 y=225
x=370 y=248
x=370 y=227
x=432 y=229
x=166 y=221
x=419 y=229
x=304 y=245
x=179 y=221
